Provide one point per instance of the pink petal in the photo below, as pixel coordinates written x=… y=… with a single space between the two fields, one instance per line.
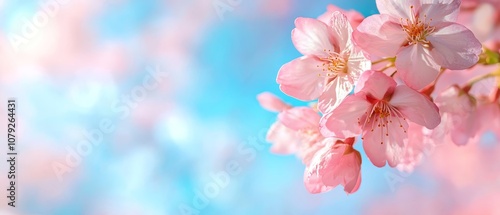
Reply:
x=375 y=84
x=357 y=63
x=398 y=8
x=416 y=66
x=337 y=164
x=334 y=94
x=454 y=100
x=383 y=144
x=299 y=78
x=313 y=182
x=300 y=118
x=271 y=102
x=353 y=185
x=312 y=37
x=284 y=140
x=353 y=16
x=416 y=107
x=342 y=122
x=374 y=149
x=309 y=148
x=380 y=35
x=342 y=85
x=444 y=10
x=341 y=166
x=342 y=30
x=455 y=46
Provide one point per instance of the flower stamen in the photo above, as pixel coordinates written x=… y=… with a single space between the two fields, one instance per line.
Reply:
x=417 y=29
x=333 y=65
x=381 y=116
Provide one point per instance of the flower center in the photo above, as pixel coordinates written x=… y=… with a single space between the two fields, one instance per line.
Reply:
x=381 y=118
x=417 y=29
x=333 y=65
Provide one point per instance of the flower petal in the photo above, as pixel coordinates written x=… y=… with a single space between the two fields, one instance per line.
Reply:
x=342 y=122
x=379 y=35
x=375 y=84
x=353 y=16
x=455 y=46
x=284 y=140
x=397 y=8
x=334 y=94
x=438 y=11
x=271 y=102
x=374 y=147
x=416 y=66
x=300 y=118
x=299 y=78
x=312 y=179
x=357 y=63
x=309 y=148
x=314 y=184
x=416 y=107
x=353 y=185
x=342 y=30
x=385 y=143
x=341 y=166
x=337 y=164
x=312 y=37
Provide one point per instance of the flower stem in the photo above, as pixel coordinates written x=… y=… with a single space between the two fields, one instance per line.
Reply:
x=389 y=65
x=390 y=59
x=482 y=77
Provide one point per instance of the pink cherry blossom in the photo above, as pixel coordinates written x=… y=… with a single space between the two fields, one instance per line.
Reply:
x=285 y=140
x=296 y=131
x=331 y=64
x=427 y=89
x=337 y=163
x=422 y=35
x=304 y=121
x=458 y=115
x=354 y=17
x=379 y=110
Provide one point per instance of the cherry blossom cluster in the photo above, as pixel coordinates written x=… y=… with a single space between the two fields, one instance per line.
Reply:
x=408 y=78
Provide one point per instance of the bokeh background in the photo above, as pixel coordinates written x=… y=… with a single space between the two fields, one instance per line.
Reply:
x=196 y=114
